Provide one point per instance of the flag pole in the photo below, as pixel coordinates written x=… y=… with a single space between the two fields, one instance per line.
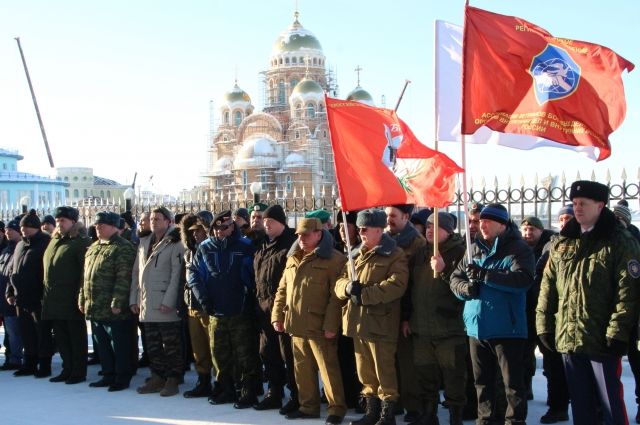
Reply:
x=436 y=222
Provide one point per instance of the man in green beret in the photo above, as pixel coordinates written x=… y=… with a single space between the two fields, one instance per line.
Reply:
x=323 y=215
x=256 y=232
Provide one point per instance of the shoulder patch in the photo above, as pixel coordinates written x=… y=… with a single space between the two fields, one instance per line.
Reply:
x=633 y=267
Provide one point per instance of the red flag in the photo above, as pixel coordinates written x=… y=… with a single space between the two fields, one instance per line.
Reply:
x=379 y=161
x=518 y=78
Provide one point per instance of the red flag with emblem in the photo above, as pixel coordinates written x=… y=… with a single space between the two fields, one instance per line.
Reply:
x=518 y=78
x=379 y=161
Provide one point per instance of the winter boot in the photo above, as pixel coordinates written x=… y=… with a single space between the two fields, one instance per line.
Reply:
x=28 y=368
x=273 y=400
x=555 y=415
x=248 y=396
x=387 y=413
x=170 y=387
x=372 y=413
x=202 y=388
x=155 y=384
x=44 y=368
x=291 y=406
x=455 y=415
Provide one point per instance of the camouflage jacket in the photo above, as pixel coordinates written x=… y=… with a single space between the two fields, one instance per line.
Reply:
x=107 y=279
x=589 y=289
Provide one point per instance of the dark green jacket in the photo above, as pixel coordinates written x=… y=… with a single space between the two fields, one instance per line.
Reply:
x=432 y=309
x=63 y=269
x=107 y=279
x=589 y=289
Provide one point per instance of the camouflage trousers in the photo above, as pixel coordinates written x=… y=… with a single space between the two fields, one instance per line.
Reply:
x=233 y=349
x=164 y=348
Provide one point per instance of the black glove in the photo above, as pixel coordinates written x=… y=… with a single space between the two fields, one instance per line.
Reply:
x=475 y=272
x=354 y=288
x=473 y=289
x=207 y=306
x=616 y=347
x=357 y=299
x=549 y=341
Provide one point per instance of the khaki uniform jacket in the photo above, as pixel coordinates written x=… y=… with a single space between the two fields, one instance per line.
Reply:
x=383 y=273
x=157 y=278
x=305 y=300
x=589 y=289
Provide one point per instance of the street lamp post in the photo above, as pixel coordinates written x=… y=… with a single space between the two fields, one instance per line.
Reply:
x=128 y=197
x=256 y=188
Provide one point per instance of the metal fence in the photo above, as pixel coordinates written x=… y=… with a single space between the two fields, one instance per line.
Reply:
x=543 y=199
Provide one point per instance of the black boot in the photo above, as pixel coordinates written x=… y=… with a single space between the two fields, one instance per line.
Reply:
x=273 y=399
x=372 y=414
x=291 y=406
x=455 y=415
x=44 y=368
x=202 y=388
x=28 y=368
x=387 y=413
x=248 y=396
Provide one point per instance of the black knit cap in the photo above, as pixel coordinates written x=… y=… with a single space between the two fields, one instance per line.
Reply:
x=128 y=218
x=48 y=219
x=588 y=189
x=352 y=216
x=67 y=212
x=277 y=213
x=14 y=224
x=31 y=219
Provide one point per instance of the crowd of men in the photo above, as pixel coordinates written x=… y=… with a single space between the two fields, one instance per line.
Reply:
x=250 y=301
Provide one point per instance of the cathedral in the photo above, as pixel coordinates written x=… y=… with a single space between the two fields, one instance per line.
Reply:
x=285 y=147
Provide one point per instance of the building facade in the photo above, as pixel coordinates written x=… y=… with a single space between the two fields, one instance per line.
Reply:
x=285 y=147
x=18 y=188
x=84 y=187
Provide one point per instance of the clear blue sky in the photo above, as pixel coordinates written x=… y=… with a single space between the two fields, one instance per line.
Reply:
x=125 y=86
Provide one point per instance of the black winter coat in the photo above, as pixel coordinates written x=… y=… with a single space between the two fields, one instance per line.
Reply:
x=268 y=263
x=6 y=268
x=27 y=280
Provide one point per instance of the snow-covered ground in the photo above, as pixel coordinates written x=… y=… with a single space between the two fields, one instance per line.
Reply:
x=30 y=401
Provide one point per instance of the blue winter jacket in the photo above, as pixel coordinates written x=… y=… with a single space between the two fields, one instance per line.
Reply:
x=499 y=311
x=221 y=276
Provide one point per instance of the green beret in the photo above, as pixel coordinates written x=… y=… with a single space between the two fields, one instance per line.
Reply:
x=322 y=215
x=259 y=206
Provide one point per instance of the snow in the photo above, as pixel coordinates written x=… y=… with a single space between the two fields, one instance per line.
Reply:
x=30 y=401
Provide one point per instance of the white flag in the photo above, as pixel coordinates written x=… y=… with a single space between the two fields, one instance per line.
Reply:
x=449 y=100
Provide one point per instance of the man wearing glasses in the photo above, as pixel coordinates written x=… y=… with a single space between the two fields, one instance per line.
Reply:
x=221 y=278
x=372 y=314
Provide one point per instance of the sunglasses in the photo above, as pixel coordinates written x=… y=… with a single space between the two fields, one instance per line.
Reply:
x=222 y=228
x=363 y=229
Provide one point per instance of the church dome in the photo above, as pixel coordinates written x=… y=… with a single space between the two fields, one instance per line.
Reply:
x=236 y=96
x=257 y=151
x=296 y=39
x=294 y=160
x=223 y=165
x=305 y=90
x=361 y=95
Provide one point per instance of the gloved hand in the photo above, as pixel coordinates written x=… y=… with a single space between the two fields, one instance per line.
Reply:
x=549 y=341
x=353 y=288
x=475 y=272
x=473 y=289
x=357 y=299
x=207 y=306
x=616 y=347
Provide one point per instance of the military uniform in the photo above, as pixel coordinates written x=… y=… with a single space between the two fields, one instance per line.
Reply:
x=587 y=308
x=439 y=341
x=410 y=241
x=374 y=325
x=63 y=269
x=307 y=305
x=107 y=281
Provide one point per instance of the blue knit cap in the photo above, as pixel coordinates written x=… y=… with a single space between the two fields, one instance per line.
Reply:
x=567 y=209
x=495 y=212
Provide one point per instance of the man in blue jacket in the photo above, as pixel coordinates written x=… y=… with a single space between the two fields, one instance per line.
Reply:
x=494 y=287
x=221 y=278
